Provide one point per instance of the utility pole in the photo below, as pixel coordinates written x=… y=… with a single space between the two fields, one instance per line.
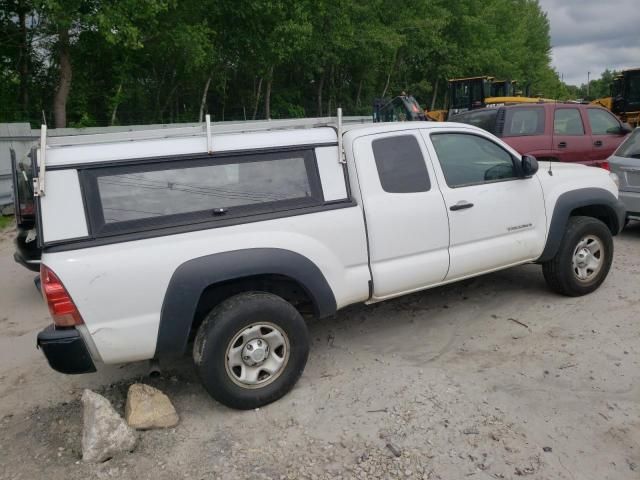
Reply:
x=588 y=83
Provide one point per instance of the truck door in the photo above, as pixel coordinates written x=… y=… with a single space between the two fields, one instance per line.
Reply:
x=496 y=217
x=407 y=225
x=571 y=143
x=606 y=134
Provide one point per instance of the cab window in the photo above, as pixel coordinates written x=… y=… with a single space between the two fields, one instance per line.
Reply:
x=400 y=164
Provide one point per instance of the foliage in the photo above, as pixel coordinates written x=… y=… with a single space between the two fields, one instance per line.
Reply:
x=149 y=61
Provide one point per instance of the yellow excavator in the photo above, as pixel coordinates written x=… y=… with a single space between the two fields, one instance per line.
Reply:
x=625 y=97
x=469 y=93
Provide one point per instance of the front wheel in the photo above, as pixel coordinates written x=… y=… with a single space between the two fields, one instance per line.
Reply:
x=251 y=350
x=583 y=260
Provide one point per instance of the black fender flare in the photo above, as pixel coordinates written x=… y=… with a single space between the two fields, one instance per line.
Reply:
x=569 y=201
x=192 y=277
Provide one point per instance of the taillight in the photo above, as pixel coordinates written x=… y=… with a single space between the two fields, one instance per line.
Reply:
x=61 y=307
x=605 y=165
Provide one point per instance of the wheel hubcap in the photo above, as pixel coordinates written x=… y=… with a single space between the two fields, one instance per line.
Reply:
x=588 y=258
x=257 y=355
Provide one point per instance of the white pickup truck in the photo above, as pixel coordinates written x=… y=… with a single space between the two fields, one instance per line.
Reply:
x=227 y=237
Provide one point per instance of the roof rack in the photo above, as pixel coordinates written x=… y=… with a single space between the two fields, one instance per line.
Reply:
x=208 y=128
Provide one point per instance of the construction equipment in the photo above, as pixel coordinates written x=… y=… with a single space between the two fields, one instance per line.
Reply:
x=625 y=97
x=403 y=108
x=469 y=93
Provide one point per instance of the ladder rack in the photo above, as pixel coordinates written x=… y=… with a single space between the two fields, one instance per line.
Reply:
x=217 y=128
x=207 y=129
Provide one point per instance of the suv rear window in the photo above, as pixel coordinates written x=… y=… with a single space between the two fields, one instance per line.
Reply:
x=520 y=122
x=138 y=197
x=485 y=119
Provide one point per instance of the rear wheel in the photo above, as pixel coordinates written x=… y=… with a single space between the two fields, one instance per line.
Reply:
x=251 y=350
x=583 y=259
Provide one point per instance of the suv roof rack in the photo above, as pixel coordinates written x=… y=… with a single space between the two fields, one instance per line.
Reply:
x=208 y=128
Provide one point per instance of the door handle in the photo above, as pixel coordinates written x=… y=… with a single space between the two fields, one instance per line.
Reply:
x=461 y=205
x=562 y=145
x=598 y=143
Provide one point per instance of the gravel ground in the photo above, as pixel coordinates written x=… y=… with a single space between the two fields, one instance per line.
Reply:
x=491 y=378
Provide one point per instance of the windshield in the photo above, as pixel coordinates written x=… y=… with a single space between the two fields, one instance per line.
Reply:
x=469 y=94
x=630 y=148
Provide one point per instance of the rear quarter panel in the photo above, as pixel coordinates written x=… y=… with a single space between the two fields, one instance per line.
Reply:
x=119 y=289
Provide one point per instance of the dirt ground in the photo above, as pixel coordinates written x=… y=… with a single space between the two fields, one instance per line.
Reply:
x=492 y=378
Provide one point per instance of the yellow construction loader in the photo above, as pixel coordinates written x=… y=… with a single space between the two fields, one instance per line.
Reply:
x=625 y=97
x=469 y=93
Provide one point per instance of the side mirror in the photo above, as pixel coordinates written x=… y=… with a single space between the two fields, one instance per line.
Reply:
x=625 y=128
x=529 y=166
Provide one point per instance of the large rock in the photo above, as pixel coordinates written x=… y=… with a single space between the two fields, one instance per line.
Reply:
x=105 y=433
x=148 y=407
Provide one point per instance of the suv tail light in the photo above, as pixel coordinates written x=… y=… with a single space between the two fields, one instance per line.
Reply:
x=605 y=165
x=61 y=306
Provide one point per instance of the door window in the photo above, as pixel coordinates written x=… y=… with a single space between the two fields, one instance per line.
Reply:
x=602 y=122
x=471 y=159
x=567 y=121
x=400 y=164
x=524 y=121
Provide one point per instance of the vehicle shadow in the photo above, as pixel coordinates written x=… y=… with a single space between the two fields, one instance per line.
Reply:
x=632 y=230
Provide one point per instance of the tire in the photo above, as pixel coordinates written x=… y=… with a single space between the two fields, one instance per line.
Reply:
x=251 y=350
x=582 y=277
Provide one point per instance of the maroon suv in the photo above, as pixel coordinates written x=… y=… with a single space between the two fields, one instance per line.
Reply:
x=565 y=132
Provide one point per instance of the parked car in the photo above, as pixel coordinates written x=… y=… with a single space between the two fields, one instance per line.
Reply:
x=625 y=162
x=564 y=132
x=231 y=240
x=27 y=251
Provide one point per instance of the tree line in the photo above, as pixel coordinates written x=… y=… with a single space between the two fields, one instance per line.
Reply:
x=108 y=62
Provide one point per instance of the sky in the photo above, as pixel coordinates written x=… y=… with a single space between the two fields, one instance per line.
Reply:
x=593 y=35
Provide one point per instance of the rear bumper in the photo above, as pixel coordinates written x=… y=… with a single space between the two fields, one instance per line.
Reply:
x=65 y=350
x=631 y=202
x=30 y=264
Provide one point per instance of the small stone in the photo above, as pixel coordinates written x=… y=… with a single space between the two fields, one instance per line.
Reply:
x=105 y=434
x=148 y=407
x=394 y=449
x=547 y=449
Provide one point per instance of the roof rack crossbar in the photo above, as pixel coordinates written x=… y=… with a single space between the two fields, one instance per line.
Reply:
x=38 y=181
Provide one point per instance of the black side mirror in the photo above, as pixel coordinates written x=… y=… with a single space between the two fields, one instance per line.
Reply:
x=529 y=166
